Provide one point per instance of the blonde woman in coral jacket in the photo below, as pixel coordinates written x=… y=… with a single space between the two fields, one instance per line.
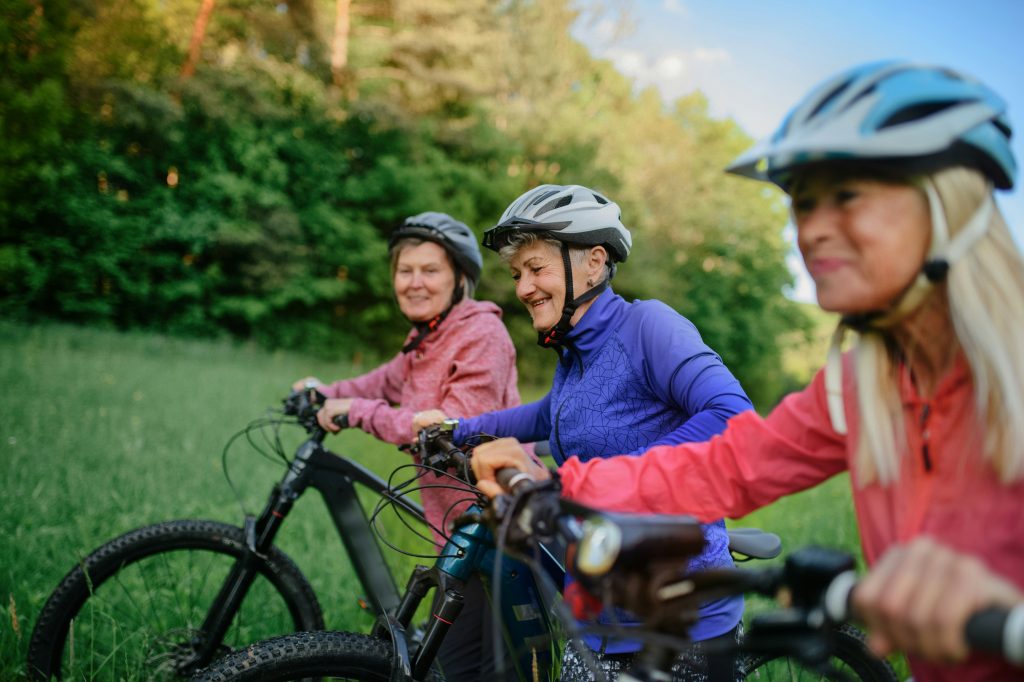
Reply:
x=890 y=169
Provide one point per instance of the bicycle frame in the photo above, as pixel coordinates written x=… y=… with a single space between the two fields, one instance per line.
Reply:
x=336 y=479
x=471 y=550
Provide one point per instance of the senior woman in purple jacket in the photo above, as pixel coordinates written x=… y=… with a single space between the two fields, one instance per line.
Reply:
x=630 y=375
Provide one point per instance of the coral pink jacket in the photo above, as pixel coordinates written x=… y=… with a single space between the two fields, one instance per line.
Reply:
x=946 y=488
x=466 y=366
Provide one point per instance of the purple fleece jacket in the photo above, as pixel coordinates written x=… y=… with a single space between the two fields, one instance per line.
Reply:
x=632 y=376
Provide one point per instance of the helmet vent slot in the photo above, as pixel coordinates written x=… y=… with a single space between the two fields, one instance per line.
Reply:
x=917 y=112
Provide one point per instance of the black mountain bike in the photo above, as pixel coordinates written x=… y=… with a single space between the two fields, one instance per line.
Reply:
x=164 y=600
x=633 y=562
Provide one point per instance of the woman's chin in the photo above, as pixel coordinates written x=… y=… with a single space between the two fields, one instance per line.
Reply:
x=417 y=315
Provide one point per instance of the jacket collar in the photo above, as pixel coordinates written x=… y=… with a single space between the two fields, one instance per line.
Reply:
x=951 y=382
x=465 y=308
x=602 y=319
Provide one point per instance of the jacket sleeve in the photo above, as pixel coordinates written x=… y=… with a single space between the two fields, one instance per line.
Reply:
x=476 y=380
x=528 y=423
x=384 y=383
x=683 y=371
x=753 y=462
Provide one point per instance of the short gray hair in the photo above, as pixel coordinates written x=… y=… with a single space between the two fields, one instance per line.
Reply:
x=577 y=254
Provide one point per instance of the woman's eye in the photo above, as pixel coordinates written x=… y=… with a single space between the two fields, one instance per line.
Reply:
x=844 y=195
x=803 y=205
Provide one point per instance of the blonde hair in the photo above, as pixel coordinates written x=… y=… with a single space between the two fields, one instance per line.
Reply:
x=985 y=292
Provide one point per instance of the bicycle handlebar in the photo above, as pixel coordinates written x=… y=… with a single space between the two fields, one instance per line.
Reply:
x=304 y=405
x=998 y=630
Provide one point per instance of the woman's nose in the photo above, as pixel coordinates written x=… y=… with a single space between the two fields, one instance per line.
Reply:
x=813 y=225
x=524 y=286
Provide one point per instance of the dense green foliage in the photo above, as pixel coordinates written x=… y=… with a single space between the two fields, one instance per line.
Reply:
x=110 y=431
x=253 y=197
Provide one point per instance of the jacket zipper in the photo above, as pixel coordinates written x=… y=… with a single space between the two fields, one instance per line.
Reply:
x=926 y=455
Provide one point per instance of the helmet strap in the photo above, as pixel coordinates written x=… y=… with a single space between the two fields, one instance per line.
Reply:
x=553 y=337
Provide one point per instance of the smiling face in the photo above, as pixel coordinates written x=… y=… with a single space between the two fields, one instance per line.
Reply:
x=863 y=240
x=539 y=275
x=424 y=281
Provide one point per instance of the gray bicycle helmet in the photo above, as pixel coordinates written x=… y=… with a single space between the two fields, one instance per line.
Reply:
x=456 y=238
x=571 y=214
x=922 y=117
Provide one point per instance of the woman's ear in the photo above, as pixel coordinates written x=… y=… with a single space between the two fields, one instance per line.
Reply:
x=596 y=259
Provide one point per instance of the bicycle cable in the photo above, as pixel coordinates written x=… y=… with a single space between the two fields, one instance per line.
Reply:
x=256 y=424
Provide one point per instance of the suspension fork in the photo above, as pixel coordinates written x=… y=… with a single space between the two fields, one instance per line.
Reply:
x=259 y=536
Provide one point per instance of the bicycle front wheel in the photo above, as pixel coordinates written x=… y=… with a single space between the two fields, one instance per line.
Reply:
x=304 y=655
x=134 y=608
x=851 y=659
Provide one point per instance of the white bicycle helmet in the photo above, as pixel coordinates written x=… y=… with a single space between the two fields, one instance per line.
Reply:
x=923 y=117
x=571 y=214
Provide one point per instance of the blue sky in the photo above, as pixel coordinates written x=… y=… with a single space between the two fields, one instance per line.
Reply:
x=754 y=59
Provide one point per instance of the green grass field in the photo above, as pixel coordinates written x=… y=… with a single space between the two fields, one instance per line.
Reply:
x=102 y=432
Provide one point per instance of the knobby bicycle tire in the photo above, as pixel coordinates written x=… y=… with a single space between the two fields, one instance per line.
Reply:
x=303 y=655
x=852 y=657
x=130 y=609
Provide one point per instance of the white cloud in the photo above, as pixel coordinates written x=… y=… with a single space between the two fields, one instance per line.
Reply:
x=605 y=31
x=705 y=54
x=632 y=63
x=669 y=67
x=674 y=7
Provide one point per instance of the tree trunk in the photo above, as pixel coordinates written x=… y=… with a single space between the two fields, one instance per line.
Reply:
x=196 y=44
x=339 y=48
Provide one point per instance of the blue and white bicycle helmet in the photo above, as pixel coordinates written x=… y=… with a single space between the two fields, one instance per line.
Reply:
x=925 y=117
x=907 y=116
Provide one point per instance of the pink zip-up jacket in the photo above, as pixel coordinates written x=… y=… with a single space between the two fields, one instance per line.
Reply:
x=466 y=366
x=946 y=489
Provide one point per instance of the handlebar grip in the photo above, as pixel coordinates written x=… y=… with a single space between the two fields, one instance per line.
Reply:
x=837 y=597
x=341 y=420
x=512 y=479
x=998 y=630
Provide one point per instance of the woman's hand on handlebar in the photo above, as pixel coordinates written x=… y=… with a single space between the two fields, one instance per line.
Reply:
x=503 y=453
x=919 y=596
x=306 y=382
x=422 y=420
x=333 y=407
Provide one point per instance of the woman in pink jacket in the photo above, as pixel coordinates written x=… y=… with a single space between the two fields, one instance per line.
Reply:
x=459 y=356
x=890 y=169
